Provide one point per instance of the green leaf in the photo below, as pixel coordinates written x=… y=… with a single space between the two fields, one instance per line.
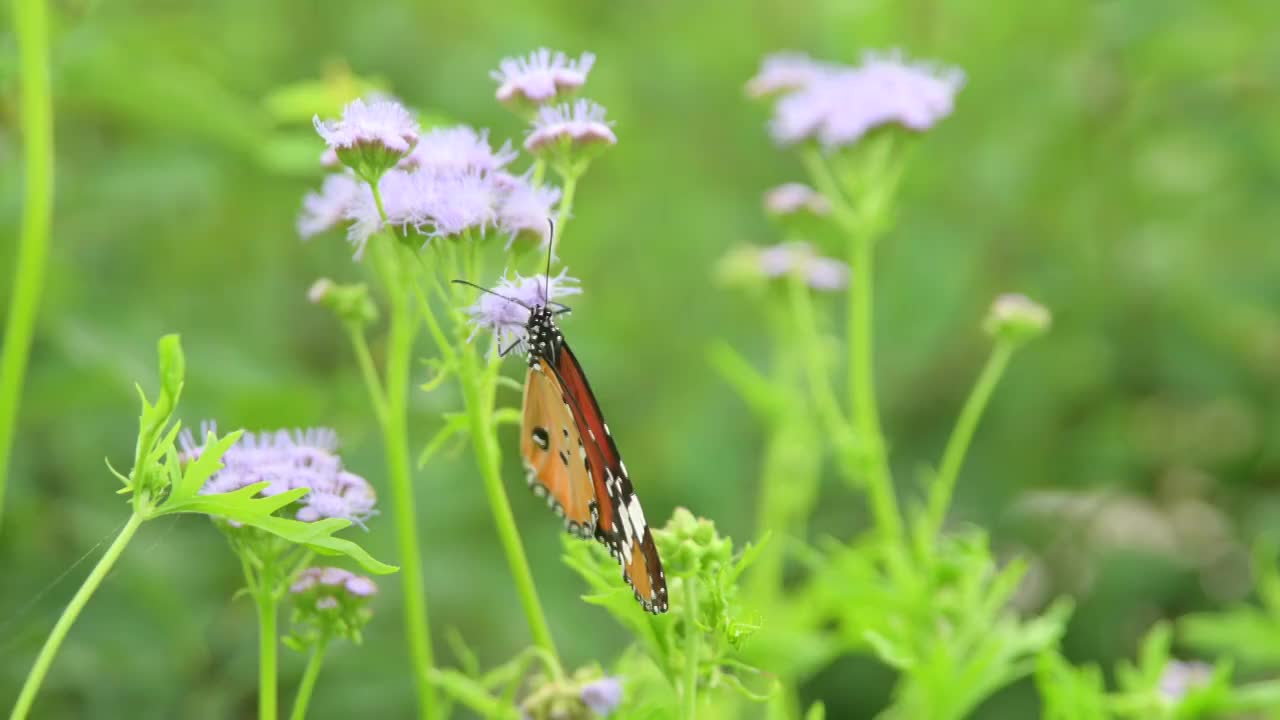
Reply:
x=173 y=368
x=202 y=468
x=453 y=425
x=243 y=507
x=471 y=694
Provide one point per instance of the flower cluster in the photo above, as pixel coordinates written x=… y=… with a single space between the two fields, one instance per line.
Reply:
x=540 y=80
x=505 y=310
x=583 y=696
x=329 y=602
x=837 y=104
x=287 y=460
x=452 y=182
x=785 y=260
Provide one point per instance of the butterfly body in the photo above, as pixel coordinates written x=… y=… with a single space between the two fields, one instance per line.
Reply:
x=574 y=462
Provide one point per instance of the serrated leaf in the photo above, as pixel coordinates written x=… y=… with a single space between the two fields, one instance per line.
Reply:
x=245 y=507
x=203 y=467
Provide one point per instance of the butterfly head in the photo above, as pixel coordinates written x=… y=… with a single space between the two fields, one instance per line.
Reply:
x=543 y=337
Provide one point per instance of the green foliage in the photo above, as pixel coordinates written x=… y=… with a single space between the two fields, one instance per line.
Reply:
x=1111 y=160
x=1247 y=632
x=714 y=629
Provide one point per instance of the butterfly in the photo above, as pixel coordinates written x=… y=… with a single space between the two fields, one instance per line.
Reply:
x=572 y=459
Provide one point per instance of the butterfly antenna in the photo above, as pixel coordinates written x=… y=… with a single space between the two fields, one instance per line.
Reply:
x=496 y=294
x=551 y=244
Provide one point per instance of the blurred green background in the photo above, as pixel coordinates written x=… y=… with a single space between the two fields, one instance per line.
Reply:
x=1118 y=161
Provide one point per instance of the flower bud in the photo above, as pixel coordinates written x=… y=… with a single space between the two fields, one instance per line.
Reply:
x=350 y=303
x=1016 y=318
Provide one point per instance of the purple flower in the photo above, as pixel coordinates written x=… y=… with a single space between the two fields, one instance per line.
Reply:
x=436 y=204
x=461 y=202
x=361 y=586
x=838 y=106
x=286 y=461
x=381 y=122
x=784 y=72
x=327 y=209
x=458 y=149
x=819 y=273
x=1179 y=678
x=507 y=317
x=580 y=125
x=795 y=197
x=541 y=76
x=525 y=210
x=603 y=696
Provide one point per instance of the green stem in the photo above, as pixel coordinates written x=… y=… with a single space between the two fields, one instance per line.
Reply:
x=819 y=380
x=30 y=24
x=569 y=179
x=693 y=637
x=368 y=372
x=41 y=667
x=953 y=457
x=308 y=684
x=479 y=401
x=395 y=435
x=866 y=416
x=266 y=600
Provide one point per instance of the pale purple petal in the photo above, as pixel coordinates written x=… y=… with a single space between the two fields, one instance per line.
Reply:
x=507 y=317
x=540 y=76
x=838 y=106
x=819 y=273
x=327 y=209
x=794 y=197
x=380 y=122
x=583 y=123
x=784 y=72
x=458 y=149
x=526 y=210
x=361 y=586
x=603 y=696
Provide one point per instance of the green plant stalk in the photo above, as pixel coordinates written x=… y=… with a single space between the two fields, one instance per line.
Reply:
x=44 y=660
x=943 y=487
x=691 y=649
x=367 y=371
x=866 y=415
x=864 y=410
x=308 y=684
x=265 y=599
x=569 y=181
x=819 y=380
x=479 y=401
x=395 y=434
x=479 y=386
x=30 y=22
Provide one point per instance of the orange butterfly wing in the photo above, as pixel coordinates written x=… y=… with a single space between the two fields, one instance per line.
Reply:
x=622 y=526
x=554 y=453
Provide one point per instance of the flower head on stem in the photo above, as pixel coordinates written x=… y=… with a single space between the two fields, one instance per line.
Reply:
x=370 y=138
x=505 y=310
x=837 y=105
x=540 y=77
x=563 y=126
